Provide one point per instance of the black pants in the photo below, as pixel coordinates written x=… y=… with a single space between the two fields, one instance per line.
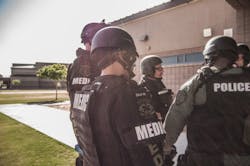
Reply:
x=79 y=161
x=199 y=159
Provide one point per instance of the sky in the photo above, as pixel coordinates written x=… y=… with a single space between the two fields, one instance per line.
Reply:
x=49 y=30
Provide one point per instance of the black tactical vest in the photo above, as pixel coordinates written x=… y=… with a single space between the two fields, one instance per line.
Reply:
x=217 y=126
x=81 y=121
x=140 y=143
x=152 y=148
x=79 y=74
x=161 y=97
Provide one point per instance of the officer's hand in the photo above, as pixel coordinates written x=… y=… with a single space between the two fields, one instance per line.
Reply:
x=168 y=161
x=173 y=152
x=158 y=115
x=169 y=156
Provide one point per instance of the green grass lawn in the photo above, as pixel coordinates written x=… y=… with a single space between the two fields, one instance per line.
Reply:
x=23 y=146
x=31 y=98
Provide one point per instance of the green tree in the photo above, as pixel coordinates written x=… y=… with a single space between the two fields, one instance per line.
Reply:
x=15 y=82
x=56 y=72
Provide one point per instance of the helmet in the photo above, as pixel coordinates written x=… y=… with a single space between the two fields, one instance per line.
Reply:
x=148 y=63
x=220 y=46
x=244 y=50
x=115 y=38
x=89 y=31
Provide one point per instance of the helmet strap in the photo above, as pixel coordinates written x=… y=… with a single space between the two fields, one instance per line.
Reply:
x=119 y=58
x=126 y=65
x=106 y=61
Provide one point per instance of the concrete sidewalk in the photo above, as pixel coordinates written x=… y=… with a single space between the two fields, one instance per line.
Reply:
x=50 y=121
x=56 y=123
x=33 y=91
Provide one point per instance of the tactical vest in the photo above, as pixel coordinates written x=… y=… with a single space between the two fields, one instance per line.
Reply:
x=143 y=141
x=162 y=97
x=217 y=126
x=79 y=74
x=81 y=121
x=148 y=131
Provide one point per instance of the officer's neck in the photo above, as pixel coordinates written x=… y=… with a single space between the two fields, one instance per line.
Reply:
x=114 y=69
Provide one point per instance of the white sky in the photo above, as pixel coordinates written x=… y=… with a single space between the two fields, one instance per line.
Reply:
x=49 y=30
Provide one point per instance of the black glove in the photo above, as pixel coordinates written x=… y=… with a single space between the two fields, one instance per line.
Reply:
x=80 y=51
x=168 y=161
x=169 y=158
x=182 y=160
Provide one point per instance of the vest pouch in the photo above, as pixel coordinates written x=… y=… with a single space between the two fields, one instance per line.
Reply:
x=246 y=136
x=166 y=97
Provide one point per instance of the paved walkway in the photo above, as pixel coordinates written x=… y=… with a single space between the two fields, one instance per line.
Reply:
x=56 y=123
x=31 y=91
x=50 y=121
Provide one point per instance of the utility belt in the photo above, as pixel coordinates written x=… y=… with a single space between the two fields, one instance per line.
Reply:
x=191 y=159
x=195 y=158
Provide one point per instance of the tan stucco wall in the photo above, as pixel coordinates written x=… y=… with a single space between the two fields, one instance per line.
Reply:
x=179 y=30
x=181 y=27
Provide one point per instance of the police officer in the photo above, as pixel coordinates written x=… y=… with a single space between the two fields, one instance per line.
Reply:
x=243 y=56
x=152 y=79
x=214 y=104
x=82 y=71
x=117 y=124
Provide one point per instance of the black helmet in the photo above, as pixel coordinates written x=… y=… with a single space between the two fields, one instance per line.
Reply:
x=220 y=46
x=244 y=50
x=89 y=31
x=148 y=64
x=115 y=38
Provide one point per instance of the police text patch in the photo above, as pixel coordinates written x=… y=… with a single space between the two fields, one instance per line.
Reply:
x=231 y=87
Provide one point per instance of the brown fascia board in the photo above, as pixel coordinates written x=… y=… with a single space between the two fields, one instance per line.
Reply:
x=239 y=4
x=245 y=3
x=50 y=63
x=150 y=11
x=45 y=63
x=22 y=64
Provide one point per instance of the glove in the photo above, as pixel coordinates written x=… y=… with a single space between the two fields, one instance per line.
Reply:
x=168 y=161
x=182 y=160
x=80 y=52
x=169 y=157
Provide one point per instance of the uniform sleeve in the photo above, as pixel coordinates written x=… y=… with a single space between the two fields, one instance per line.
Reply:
x=179 y=112
x=68 y=77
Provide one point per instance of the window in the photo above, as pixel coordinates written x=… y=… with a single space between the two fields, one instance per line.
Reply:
x=183 y=59
x=180 y=58
x=195 y=57
x=169 y=60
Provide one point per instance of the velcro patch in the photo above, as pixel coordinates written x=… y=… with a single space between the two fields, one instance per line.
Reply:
x=181 y=97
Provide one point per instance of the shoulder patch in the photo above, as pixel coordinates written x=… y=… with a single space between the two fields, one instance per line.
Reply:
x=180 y=97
